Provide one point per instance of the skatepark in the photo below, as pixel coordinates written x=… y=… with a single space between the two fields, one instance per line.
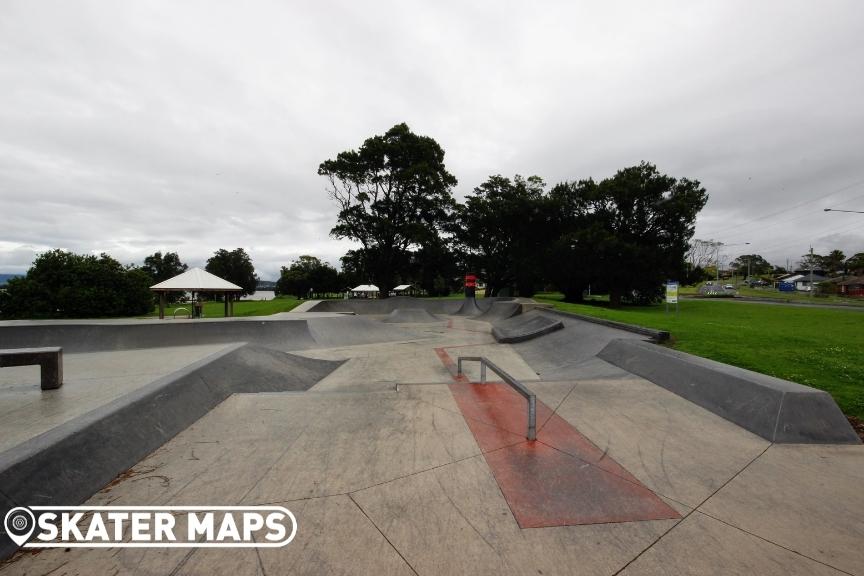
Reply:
x=397 y=458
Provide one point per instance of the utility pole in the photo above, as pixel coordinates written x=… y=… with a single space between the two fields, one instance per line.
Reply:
x=811 y=270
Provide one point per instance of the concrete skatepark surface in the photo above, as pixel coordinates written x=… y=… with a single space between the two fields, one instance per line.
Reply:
x=393 y=464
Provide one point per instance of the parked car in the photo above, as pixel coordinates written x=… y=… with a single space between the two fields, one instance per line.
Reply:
x=728 y=287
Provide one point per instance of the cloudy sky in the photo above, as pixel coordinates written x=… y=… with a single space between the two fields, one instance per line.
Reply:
x=131 y=127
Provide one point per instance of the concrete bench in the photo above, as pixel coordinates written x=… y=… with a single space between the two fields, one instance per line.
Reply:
x=50 y=361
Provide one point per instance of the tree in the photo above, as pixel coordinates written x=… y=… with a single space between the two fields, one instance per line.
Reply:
x=61 y=284
x=833 y=262
x=501 y=231
x=394 y=195
x=629 y=233
x=234 y=266
x=161 y=268
x=754 y=264
x=810 y=261
x=855 y=264
x=308 y=274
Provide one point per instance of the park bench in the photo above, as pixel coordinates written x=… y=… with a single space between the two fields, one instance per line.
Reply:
x=50 y=361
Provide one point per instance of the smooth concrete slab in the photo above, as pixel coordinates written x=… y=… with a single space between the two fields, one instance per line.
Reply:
x=702 y=545
x=92 y=380
x=454 y=520
x=809 y=499
x=675 y=448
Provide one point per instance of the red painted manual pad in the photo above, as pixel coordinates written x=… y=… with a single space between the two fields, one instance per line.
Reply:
x=560 y=479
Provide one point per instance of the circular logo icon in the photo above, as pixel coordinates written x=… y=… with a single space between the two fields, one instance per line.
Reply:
x=19 y=523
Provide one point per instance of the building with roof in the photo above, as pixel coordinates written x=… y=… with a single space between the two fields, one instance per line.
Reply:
x=196 y=281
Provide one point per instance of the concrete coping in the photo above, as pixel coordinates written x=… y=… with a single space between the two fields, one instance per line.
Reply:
x=656 y=335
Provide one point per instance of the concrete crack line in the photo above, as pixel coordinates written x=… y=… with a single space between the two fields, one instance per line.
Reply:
x=362 y=511
x=664 y=534
x=775 y=543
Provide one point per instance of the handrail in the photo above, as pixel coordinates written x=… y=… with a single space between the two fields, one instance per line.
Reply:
x=515 y=384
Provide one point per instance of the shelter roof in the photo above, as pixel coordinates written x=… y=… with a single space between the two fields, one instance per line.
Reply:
x=197 y=280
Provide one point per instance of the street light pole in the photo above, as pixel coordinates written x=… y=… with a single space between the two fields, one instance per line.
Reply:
x=849 y=211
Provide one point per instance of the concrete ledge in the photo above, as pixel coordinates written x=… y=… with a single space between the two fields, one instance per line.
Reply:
x=775 y=409
x=524 y=327
x=69 y=463
x=656 y=335
x=49 y=360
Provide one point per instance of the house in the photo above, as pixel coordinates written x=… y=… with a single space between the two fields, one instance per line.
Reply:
x=805 y=282
x=852 y=286
x=364 y=291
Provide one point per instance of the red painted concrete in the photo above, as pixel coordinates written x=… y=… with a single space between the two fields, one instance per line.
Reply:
x=559 y=480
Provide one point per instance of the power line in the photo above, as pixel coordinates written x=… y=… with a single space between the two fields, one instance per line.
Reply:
x=757 y=219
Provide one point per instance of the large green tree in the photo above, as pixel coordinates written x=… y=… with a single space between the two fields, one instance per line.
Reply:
x=627 y=234
x=754 y=264
x=394 y=197
x=502 y=230
x=162 y=267
x=234 y=266
x=306 y=275
x=61 y=284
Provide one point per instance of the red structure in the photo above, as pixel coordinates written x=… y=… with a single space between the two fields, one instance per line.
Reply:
x=470 y=285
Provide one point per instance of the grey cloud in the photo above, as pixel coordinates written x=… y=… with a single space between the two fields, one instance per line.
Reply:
x=135 y=127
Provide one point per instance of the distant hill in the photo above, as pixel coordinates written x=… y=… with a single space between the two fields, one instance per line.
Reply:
x=265 y=285
x=5 y=278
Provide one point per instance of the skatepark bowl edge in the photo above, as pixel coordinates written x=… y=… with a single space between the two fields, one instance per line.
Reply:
x=352 y=415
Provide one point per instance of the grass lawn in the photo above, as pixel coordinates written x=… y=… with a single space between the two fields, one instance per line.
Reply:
x=241 y=308
x=818 y=347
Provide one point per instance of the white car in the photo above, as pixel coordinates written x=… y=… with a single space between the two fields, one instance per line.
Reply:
x=728 y=287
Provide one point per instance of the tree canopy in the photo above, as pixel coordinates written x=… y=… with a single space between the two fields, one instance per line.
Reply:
x=501 y=230
x=234 y=266
x=625 y=235
x=755 y=264
x=61 y=284
x=394 y=196
x=308 y=275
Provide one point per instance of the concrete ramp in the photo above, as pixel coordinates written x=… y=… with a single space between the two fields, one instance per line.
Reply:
x=410 y=316
x=525 y=327
x=468 y=308
x=94 y=336
x=356 y=331
x=500 y=310
x=67 y=464
x=775 y=409
x=362 y=306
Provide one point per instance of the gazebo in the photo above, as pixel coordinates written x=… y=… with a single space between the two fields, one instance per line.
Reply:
x=196 y=280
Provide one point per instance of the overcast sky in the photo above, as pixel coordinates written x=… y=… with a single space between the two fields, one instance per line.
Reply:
x=132 y=127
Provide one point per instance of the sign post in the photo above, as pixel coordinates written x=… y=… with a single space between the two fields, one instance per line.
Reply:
x=672 y=295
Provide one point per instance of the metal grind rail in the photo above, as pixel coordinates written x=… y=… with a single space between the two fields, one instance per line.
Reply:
x=515 y=384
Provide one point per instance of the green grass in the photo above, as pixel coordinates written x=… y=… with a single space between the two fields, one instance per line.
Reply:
x=241 y=308
x=819 y=347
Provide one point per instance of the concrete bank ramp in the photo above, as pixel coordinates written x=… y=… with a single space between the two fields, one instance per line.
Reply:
x=383 y=306
x=561 y=355
x=468 y=307
x=282 y=334
x=500 y=310
x=357 y=331
x=777 y=410
x=410 y=316
x=69 y=463
x=90 y=336
x=525 y=327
